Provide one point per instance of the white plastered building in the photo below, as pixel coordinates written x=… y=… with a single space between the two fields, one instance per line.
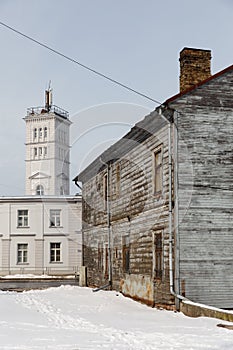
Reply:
x=40 y=233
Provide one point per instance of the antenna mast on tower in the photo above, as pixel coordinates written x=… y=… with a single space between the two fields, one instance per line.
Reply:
x=48 y=97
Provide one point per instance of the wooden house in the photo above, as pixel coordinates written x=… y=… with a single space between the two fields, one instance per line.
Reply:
x=158 y=204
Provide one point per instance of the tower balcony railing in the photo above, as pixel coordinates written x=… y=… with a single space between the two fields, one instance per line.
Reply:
x=45 y=110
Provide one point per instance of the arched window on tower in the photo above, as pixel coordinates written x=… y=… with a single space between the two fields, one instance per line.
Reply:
x=45 y=133
x=62 y=191
x=39 y=190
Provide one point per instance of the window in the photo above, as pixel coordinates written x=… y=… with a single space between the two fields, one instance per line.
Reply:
x=158 y=255
x=40 y=133
x=45 y=133
x=39 y=190
x=62 y=191
x=126 y=254
x=40 y=151
x=158 y=171
x=55 y=217
x=35 y=133
x=100 y=257
x=22 y=253
x=118 y=179
x=22 y=218
x=106 y=272
x=105 y=190
x=45 y=152
x=55 y=252
x=35 y=152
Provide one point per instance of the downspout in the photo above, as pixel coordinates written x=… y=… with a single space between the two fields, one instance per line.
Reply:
x=82 y=258
x=171 y=274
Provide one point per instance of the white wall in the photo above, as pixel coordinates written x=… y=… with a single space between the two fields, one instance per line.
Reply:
x=38 y=235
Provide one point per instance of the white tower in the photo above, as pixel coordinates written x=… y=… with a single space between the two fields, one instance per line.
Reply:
x=47 y=149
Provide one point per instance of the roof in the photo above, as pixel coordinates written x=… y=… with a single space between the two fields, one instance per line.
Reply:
x=44 y=199
x=138 y=134
x=214 y=76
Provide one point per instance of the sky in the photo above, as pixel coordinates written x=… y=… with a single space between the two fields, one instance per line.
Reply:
x=134 y=42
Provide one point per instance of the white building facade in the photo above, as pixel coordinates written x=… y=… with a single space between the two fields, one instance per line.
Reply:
x=47 y=151
x=40 y=233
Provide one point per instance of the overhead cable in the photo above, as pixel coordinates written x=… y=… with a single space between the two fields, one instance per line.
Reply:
x=79 y=63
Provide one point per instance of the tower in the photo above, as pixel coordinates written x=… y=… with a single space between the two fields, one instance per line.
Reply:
x=47 y=149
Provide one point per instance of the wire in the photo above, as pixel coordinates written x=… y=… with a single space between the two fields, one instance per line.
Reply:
x=79 y=63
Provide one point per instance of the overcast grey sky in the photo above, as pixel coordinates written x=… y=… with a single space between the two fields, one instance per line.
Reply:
x=135 y=42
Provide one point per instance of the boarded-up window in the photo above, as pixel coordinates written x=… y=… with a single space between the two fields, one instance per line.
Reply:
x=126 y=254
x=158 y=255
x=158 y=171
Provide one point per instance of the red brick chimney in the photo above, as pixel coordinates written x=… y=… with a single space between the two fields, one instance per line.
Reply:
x=195 y=67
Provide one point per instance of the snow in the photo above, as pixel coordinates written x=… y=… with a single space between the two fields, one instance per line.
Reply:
x=74 y=318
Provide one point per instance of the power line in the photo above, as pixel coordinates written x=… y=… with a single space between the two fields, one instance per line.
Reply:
x=79 y=63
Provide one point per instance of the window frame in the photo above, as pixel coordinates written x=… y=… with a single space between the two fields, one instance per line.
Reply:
x=22 y=253
x=55 y=218
x=45 y=133
x=105 y=190
x=40 y=132
x=126 y=254
x=39 y=190
x=157 y=171
x=55 y=252
x=158 y=255
x=22 y=218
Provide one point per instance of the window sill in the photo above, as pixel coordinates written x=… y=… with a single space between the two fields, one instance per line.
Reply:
x=23 y=227
x=55 y=226
x=22 y=263
x=56 y=262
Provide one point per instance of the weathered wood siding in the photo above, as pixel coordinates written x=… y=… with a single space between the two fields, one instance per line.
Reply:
x=205 y=192
x=136 y=215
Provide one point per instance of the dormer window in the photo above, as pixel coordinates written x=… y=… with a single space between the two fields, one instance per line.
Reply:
x=39 y=190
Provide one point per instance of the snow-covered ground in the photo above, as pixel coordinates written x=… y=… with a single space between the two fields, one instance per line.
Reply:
x=76 y=318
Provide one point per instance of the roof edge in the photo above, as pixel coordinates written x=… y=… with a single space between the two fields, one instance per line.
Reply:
x=216 y=75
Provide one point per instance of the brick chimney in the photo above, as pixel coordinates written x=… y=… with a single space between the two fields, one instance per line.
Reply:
x=195 y=66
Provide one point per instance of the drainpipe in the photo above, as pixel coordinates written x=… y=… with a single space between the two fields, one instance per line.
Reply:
x=171 y=275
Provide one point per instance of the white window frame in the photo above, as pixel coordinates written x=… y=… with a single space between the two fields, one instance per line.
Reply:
x=39 y=190
x=22 y=253
x=22 y=218
x=55 y=217
x=55 y=252
x=45 y=132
